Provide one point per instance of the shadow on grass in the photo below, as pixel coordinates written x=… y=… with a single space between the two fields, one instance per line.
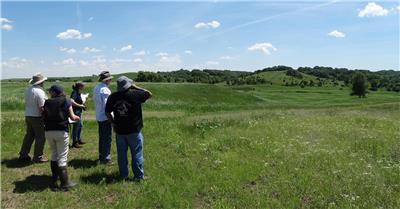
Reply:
x=15 y=163
x=101 y=178
x=33 y=183
x=82 y=163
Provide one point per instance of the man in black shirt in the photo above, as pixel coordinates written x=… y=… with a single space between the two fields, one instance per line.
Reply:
x=126 y=105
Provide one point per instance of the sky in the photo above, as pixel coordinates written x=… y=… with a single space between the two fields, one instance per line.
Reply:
x=84 y=38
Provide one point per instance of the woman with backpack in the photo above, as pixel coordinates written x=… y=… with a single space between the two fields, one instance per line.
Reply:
x=78 y=107
x=56 y=112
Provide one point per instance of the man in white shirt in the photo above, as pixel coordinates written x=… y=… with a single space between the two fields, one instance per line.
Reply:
x=100 y=96
x=34 y=101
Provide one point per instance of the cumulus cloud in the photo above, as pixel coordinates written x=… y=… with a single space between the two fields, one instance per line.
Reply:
x=68 y=61
x=140 y=53
x=337 y=34
x=4 y=25
x=73 y=34
x=373 y=10
x=263 y=47
x=137 y=60
x=162 y=54
x=212 y=63
x=83 y=62
x=226 y=58
x=126 y=48
x=68 y=50
x=170 y=59
x=188 y=52
x=91 y=50
x=212 y=24
x=15 y=62
x=90 y=19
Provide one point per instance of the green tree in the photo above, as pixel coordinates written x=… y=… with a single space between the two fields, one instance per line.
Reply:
x=359 y=82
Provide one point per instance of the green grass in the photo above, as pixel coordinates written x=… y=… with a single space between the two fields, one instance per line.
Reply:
x=217 y=146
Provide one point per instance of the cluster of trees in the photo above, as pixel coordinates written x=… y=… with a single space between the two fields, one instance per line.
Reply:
x=193 y=76
x=249 y=80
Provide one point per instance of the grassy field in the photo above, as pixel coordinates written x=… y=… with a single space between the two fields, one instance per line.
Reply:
x=217 y=146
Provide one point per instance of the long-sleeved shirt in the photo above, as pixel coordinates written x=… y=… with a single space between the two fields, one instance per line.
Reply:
x=100 y=96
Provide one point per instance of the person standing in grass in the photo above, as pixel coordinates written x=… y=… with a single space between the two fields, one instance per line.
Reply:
x=78 y=108
x=125 y=104
x=56 y=111
x=100 y=95
x=34 y=101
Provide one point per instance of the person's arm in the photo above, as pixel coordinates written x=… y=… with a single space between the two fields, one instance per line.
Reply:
x=108 y=109
x=134 y=86
x=110 y=117
x=76 y=104
x=104 y=94
x=40 y=100
x=72 y=115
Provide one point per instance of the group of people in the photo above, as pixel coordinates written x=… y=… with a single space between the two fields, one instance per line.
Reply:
x=49 y=119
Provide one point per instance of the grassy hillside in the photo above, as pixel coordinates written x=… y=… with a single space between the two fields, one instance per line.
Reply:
x=218 y=146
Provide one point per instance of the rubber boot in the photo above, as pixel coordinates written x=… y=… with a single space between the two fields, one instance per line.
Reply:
x=66 y=184
x=54 y=176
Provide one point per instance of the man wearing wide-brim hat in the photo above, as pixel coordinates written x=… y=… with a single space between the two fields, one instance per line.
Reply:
x=34 y=101
x=100 y=96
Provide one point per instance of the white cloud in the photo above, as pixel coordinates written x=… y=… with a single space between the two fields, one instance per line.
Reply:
x=162 y=54
x=337 y=34
x=68 y=50
x=6 y=27
x=126 y=48
x=73 y=34
x=69 y=61
x=140 y=53
x=226 y=58
x=137 y=60
x=15 y=62
x=188 y=52
x=91 y=50
x=171 y=59
x=212 y=24
x=263 y=47
x=83 y=63
x=398 y=8
x=5 y=20
x=212 y=63
x=373 y=9
x=90 y=19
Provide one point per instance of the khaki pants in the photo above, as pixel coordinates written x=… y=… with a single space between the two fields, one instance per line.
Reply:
x=34 y=132
x=59 y=142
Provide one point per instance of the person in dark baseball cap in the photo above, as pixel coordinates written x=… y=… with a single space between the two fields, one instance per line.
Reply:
x=56 y=112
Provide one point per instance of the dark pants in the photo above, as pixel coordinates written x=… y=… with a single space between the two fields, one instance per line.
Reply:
x=34 y=132
x=105 y=132
x=76 y=129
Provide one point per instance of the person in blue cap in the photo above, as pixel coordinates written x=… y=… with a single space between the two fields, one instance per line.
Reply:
x=56 y=111
x=126 y=105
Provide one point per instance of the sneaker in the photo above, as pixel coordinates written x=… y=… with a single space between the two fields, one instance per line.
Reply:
x=40 y=159
x=140 y=179
x=76 y=145
x=24 y=159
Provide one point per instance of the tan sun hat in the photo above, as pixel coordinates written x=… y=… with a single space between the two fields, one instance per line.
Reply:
x=38 y=78
x=104 y=76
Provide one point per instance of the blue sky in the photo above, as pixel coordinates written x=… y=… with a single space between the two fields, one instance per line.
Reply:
x=83 y=38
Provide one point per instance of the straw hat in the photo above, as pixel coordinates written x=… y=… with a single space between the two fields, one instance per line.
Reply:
x=38 y=78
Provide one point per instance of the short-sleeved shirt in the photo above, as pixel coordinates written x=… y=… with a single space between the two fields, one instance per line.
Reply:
x=76 y=96
x=100 y=95
x=127 y=109
x=34 y=101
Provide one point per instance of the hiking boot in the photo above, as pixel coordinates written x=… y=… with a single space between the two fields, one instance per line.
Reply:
x=106 y=162
x=76 y=145
x=40 y=159
x=66 y=184
x=81 y=142
x=54 y=176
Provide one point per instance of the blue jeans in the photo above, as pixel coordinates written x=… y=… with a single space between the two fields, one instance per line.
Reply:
x=135 y=143
x=105 y=131
x=77 y=128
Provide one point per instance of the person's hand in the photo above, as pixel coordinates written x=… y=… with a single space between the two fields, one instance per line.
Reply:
x=82 y=106
x=76 y=118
